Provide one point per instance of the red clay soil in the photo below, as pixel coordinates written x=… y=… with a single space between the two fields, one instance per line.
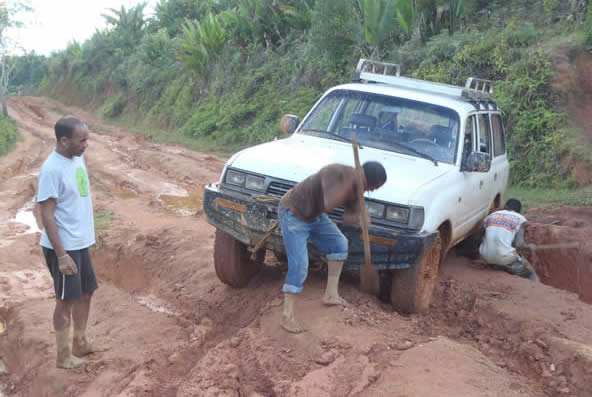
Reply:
x=176 y=330
x=565 y=268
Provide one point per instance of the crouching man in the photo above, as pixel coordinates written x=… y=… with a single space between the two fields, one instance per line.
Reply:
x=502 y=230
x=303 y=217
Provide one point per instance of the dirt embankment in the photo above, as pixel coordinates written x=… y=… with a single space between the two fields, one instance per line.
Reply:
x=566 y=268
x=175 y=330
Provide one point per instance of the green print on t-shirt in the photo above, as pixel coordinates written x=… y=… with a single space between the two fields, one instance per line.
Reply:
x=82 y=182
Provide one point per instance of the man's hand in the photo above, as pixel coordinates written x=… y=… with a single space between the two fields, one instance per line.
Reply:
x=67 y=265
x=531 y=247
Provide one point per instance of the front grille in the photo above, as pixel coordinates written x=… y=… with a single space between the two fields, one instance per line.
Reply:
x=278 y=189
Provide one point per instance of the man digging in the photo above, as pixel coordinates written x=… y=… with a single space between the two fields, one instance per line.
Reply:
x=302 y=213
x=67 y=217
x=502 y=229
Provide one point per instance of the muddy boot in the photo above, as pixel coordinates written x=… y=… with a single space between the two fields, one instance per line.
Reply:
x=81 y=346
x=288 y=319
x=333 y=273
x=65 y=359
x=523 y=269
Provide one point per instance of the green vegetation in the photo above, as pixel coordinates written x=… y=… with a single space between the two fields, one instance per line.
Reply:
x=543 y=198
x=9 y=135
x=219 y=74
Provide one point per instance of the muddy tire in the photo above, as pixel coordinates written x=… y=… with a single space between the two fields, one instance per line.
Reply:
x=412 y=288
x=232 y=260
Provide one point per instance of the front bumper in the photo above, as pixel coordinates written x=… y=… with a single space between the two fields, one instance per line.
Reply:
x=247 y=220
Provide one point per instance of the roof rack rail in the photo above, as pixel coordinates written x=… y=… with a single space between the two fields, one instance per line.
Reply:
x=478 y=89
x=368 y=67
x=475 y=90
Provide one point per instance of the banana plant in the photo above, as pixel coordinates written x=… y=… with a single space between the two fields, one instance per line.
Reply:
x=201 y=42
x=379 y=17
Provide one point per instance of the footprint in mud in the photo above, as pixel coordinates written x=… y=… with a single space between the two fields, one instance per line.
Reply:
x=21 y=285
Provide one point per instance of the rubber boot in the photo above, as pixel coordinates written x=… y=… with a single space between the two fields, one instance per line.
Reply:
x=289 y=322
x=331 y=294
x=65 y=359
x=81 y=346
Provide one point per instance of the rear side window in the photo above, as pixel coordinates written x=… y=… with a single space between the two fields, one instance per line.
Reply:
x=499 y=143
x=484 y=134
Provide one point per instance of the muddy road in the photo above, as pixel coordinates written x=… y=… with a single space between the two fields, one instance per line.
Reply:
x=175 y=330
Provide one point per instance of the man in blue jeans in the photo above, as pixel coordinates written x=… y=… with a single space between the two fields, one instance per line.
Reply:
x=303 y=217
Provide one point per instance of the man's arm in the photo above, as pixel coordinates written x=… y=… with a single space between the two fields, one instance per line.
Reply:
x=519 y=239
x=48 y=208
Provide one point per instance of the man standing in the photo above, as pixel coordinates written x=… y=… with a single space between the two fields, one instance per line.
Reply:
x=67 y=217
x=303 y=216
x=502 y=228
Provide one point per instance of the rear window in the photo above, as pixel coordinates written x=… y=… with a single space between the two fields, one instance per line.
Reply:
x=499 y=143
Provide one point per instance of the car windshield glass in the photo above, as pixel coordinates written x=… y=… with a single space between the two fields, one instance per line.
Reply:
x=388 y=123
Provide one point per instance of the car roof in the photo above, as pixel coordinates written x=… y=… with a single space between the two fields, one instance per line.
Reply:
x=461 y=105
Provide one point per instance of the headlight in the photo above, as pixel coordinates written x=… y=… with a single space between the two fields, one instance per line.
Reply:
x=397 y=214
x=235 y=178
x=375 y=209
x=255 y=182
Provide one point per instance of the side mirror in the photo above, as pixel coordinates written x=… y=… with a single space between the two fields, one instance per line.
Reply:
x=476 y=162
x=289 y=123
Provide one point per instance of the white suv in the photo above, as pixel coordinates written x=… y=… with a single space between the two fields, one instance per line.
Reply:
x=444 y=152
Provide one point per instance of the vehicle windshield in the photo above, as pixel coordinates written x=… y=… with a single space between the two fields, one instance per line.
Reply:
x=390 y=123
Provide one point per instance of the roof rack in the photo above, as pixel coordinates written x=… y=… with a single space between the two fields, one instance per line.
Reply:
x=475 y=90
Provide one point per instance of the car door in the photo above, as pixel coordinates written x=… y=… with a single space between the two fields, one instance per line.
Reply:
x=470 y=195
x=499 y=162
x=487 y=183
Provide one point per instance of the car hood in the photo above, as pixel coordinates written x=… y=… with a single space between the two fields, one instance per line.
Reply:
x=300 y=156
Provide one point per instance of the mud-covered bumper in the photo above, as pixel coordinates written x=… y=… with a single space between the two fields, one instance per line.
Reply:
x=248 y=219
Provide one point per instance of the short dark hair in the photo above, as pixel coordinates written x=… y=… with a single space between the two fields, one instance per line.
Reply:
x=375 y=173
x=514 y=205
x=65 y=126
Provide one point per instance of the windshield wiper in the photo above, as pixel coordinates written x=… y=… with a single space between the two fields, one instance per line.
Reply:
x=339 y=137
x=420 y=154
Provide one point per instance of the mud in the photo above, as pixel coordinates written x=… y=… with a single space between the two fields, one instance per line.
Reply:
x=175 y=330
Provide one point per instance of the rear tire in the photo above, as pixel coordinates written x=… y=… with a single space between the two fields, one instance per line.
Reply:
x=232 y=260
x=412 y=288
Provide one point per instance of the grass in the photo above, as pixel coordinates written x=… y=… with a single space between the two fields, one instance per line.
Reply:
x=545 y=198
x=102 y=219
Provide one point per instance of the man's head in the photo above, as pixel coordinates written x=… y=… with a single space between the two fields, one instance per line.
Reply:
x=71 y=135
x=375 y=175
x=513 y=205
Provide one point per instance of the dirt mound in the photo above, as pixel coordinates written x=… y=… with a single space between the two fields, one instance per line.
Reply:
x=565 y=268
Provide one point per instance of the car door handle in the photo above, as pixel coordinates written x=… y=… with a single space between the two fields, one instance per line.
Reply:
x=480 y=184
x=495 y=176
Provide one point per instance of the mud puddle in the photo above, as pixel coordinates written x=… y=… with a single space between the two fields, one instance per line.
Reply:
x=187 y=204
x=25 y=216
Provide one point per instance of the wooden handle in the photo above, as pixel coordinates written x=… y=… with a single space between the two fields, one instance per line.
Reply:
x=369 y=279
x=363 y=212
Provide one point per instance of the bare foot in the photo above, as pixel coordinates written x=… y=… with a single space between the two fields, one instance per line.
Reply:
x=80 y=349
x=331 y=300
x=292 y=326
x=69 y=362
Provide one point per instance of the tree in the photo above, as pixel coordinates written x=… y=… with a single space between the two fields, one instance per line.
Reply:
x=128 y=24
x=7 y=46
x=379 y=18
x=202 y=42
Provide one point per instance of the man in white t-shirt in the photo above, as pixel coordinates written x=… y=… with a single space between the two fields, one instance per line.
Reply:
x=504 y=230
x=68 y=231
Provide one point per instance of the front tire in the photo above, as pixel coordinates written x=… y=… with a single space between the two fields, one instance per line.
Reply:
x=412 y=289
x=232 y=260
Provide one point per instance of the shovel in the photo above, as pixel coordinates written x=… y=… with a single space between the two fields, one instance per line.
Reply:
x=369 y=278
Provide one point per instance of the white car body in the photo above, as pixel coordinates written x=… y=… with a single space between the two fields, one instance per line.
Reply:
x=447 y=194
